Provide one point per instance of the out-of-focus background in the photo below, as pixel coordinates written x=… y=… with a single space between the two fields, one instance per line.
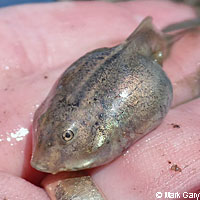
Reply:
x=3 y=3
x=14 y=2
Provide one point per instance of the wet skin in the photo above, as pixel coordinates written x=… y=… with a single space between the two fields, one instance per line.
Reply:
x=152 y=153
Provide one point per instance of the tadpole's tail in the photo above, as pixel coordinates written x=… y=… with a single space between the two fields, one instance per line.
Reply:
x=182 y=26
x=176 y=31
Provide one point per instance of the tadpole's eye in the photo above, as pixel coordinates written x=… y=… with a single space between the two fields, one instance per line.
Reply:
x=68 y=135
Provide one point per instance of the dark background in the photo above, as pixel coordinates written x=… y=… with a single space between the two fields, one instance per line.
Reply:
x=13 y=2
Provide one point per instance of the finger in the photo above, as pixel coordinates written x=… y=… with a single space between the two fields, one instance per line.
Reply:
x=33 y=49
x=16 y=188
x=183 y=68
x=167 y=159
x=71 y=185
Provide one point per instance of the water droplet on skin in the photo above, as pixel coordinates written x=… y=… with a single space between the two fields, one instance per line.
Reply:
x=20 y=134
x=6 y=67
x=127 y=161
x=17 y=135
x=31 y=117
x=148 y=139
x=36 y=106
x=126 y=153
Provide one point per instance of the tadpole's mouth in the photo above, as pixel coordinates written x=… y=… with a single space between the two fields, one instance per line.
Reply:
x=44 y=165
x=40 y=162
x=44 y=160
x=38 y=166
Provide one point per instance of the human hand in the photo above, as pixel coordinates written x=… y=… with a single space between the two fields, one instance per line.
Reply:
x=38 y=42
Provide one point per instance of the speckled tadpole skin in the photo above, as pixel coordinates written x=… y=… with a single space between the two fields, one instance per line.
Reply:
x=104 y=102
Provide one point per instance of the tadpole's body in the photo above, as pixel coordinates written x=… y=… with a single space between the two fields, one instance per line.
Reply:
x=106 y=100
x=103 y=103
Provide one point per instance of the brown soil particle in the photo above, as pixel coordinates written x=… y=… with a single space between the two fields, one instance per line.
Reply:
x=176 y=168
x=175 y=125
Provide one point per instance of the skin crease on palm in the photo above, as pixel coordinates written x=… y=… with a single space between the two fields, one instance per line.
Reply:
x=38 y=42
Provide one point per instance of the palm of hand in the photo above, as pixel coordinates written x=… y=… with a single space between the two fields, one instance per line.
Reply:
x=38 y=43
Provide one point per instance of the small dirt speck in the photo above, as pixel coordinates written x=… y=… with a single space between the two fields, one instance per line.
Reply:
x=169 y=162
x=175 y=125
x=176 y=168
x=45 y=77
